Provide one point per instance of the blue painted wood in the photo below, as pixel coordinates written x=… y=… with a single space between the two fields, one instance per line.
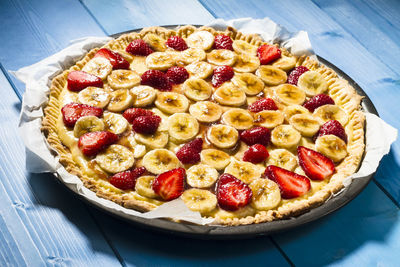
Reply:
x=388 y=9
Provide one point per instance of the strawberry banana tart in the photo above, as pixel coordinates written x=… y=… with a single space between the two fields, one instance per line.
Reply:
x=241 y=130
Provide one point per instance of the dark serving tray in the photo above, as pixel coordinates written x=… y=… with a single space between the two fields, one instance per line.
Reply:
x=267 y=228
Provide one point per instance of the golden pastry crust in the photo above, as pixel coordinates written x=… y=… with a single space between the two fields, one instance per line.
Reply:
x=339 y=89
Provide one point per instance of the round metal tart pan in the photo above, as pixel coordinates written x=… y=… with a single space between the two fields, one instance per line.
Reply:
x=252 y=230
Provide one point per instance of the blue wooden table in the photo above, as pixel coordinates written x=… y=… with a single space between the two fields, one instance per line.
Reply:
x=42 y=223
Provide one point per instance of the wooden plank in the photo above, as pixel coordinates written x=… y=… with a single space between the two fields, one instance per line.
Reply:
x=118 y=16
x=41 y=223
x=387 y=9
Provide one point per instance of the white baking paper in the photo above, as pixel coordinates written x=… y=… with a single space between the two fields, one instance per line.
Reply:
x=37 y=78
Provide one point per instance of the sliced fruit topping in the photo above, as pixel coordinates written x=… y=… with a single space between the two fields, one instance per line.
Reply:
x=222 y=41
x=190 y=152
x=232 y=193
x=132 y=113
x=255 y=154
x=221 y=74
x=139 y=47
x=127 y=179
x=295 y=74
x=291 y=184
x=268 y=53
x=263 y=104
x=93 y=142
x=314 y=164
x=332 y=127
x=146 y=124
x=170 y=185
x=176 y=43
x=73 y=111
x=116 y=60
x=177 y=75
x=78 y=80
x=317 y=101
x=156 y=79
x=256 y=135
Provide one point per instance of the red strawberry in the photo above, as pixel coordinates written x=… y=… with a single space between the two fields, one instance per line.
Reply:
x=170 y=185
x=132 y=113
x=221 y=74
x=332 y=127
x=177 y=75
x=138 y=47
x=78 y=80
x=291 y=184
x=116 y=60
x=268 y=53
x=263 y=104
x=232 y=193
x=222 y=41
x=314 y=164
x=256 y=135
x=190 y=152
x=317 y=101
x=255 y=154
x=176 y=43
x=156 y=79
x=146 y=124
x=295 y=74
x=73 y=111
x=127 y=179
x=92 y=143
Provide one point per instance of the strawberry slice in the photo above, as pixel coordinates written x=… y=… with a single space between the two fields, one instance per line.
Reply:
x=314 y=164
x=92 y=143
x=73 y=111
x=116 y=60
x=170 y=185
x=232 y=193
x=78 y=80
x=291 y=184
x=127 y=179
x=268 y=53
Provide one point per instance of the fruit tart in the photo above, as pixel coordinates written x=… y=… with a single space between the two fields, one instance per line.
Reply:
x=241 y=130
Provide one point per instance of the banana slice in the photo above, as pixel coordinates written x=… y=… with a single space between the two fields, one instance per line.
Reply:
x=87 y=124
x=285 y=136
x=230 y=95
x=182 y=127
x=269 y=118
x=115 y=158
x=285 y=63
x=245 y=171
x=291 y=110
x=246 y=63
x=197 y=89
x=306 y=124
x=240 y=213
x=123 y=79
x=243 y=47
x=170 y=102
x=215 y=158
x=144 y=95
x=201 y=39
x=312 y=83
x=98 y=66
x=157 y=140
x=238 y=118
x=201 y=176
x=201 y=70
x=266 y=194
x=160 y=60
x=221 y=57
x=164 y=119
x=289 y=94
x=282 y=158
x=144 y=186
x=160 y=160
x=155 y=42
x=128 y=57
x=120 y=100
x=271 y=75
x=222 y=136
x=307 y=142
x=191 y=55
x=249 y=83
x=115 y=123
x=129 y=141
x=94 y=96
x=199 y=200
x=331 y=112
x=206 y=111
x=331 y=146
